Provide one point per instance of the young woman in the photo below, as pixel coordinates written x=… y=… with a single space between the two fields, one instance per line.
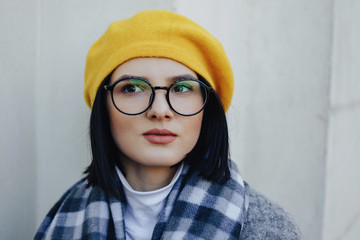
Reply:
x=158 y=85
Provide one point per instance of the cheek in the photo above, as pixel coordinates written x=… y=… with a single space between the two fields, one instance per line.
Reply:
x=194 y=128
x=120 y=125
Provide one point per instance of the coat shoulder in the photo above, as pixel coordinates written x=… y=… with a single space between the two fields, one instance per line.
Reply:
x=73 y=201
x=267 y=220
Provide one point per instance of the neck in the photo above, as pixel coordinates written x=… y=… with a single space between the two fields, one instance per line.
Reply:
x=147 y=178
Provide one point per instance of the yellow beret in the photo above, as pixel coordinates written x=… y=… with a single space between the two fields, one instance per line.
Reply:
x=159 y=33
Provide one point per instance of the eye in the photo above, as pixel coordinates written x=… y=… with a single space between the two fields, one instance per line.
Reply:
x=131 y=88
x=182 y=87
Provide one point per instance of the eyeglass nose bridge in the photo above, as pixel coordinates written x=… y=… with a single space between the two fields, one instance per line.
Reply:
x=166 y=95
x=160 y=88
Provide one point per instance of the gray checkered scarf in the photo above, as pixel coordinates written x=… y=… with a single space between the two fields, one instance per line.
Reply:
x=195 y=209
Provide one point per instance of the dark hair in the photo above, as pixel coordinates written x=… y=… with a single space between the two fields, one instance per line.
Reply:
x=209 y=158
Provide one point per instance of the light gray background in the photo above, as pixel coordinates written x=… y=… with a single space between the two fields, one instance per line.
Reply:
x=294 y=121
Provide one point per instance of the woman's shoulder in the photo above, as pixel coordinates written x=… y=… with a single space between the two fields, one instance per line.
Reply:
x=79 y=193
x=69 y=207
x=267 y=220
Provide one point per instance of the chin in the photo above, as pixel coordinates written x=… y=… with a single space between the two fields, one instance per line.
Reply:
x=165 y=163
x=162 y=161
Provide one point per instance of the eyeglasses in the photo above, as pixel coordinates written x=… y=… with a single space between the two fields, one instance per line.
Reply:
x=134 y=95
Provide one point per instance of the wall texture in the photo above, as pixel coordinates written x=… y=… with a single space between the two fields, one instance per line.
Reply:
x=293 y=121
x=342 y=198
x=18 y=36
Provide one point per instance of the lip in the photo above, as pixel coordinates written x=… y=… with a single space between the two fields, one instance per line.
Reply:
x=160 y=136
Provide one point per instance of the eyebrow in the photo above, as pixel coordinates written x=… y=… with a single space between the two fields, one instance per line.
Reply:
x=169 y=79
x=172 y=79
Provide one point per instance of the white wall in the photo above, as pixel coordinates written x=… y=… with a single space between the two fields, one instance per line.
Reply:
x=292 y=122
x=342 y=208
x=18 y=34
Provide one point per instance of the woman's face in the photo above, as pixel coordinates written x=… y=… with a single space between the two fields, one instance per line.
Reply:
x=138 y=136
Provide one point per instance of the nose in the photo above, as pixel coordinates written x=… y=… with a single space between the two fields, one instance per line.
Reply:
x=160 y=108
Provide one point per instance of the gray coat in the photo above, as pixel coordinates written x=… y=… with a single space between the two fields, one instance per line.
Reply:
x=267 y=220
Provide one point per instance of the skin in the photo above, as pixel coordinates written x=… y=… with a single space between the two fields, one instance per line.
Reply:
x=147 y=165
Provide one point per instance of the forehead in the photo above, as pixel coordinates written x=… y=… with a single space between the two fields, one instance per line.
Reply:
x=155 y=70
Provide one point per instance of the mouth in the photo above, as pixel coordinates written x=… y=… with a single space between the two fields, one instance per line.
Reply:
x=160 y=136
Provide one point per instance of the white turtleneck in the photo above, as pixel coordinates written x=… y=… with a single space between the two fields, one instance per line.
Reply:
x=143 y=208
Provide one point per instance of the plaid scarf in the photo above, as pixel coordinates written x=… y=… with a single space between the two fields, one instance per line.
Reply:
x=195 y=209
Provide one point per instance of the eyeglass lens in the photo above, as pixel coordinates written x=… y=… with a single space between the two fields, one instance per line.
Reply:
x=133 y=96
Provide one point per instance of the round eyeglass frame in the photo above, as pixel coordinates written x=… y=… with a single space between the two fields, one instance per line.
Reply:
x=152 y=96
